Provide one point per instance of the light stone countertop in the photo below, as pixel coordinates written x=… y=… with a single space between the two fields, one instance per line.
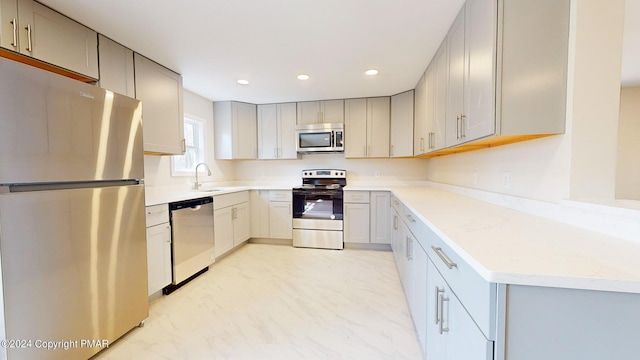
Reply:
x=512 y=247
x=155 y=195
x=503 y=245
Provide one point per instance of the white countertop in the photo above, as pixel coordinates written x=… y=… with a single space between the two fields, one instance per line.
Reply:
x=167 y=194
x=512 y=247
x=503 y=245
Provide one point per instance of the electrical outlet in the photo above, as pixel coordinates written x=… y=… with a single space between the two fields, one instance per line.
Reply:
x=376 y=173
x=264 y=173
x=475 y=178
x=506 y=180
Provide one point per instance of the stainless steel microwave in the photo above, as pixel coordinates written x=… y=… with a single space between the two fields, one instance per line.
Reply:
x=320 y=138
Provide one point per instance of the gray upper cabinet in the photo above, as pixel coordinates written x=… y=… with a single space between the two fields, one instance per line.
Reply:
x=277 y=131
x=9 y=24
x=402 y=124
x=367 y=127
x=505 y=77
x=160 y=90
x=235 y=132
x=36 y=31
x=319 y=112
x=421 y=127
x=116 y=67
x=455 y=100
x=535 y=36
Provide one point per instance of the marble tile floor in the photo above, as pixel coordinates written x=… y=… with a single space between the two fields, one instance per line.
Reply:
x=279 y=302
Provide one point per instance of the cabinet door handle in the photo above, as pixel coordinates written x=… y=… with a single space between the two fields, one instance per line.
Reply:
x=406 y=250
x=443 y=299
x=410 y=218
x=29 y=43
x=437 y=308
x=458 y=127
x=463 y=133
x=279 y=152
x=445 y=259
x=275 y=152
x=409 y=250
x=422 y=144
x=395 y=222
x=184 y=146
x=14 y=24
x=155 y=212
x=391 y=153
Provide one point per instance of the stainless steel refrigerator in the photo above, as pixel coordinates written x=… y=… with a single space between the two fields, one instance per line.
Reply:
x=72 y=223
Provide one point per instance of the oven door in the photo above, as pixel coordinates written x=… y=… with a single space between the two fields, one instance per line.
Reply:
x=317 y=204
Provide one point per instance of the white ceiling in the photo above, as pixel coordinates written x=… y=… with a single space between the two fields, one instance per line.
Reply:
x=212 y=43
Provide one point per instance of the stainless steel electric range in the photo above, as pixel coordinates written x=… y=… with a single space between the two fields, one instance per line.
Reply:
x=318 y=209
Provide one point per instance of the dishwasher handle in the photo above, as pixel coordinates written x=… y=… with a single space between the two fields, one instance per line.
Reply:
x=194 y=204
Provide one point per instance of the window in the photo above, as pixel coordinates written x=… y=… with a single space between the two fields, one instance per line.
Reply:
x=185 y=165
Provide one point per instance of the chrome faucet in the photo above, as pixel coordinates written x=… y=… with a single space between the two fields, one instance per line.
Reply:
x=196 y=185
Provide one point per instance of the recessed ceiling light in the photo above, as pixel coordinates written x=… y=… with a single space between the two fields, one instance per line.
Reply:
x=243 y=82
x=303 y=77
x=371 y=72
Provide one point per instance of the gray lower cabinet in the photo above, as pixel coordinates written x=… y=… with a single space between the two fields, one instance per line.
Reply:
x=34 y=30
x=231 y=221
x=160 y=90
x=451 y=332
x=271 y=214
x=116 y=67
x=458 y=315
x=158 y=247
x=366 y=217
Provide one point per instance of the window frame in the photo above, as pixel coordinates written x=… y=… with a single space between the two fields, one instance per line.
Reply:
x=202 y=139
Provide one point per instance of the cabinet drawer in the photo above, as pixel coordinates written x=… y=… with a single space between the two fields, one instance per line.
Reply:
x=396 y=204
x=226 y=200
x=280 y=195
x=477 y=295
x=417 y=226
x=356 y=197
x=157 y=214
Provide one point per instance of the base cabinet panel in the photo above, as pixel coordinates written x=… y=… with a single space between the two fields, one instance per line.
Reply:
x=451 y=332
x=223 y=230
x=158 y=257
x=280 y=224
x=356 y=223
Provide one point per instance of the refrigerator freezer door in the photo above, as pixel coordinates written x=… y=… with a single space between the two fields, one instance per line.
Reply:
x=73 y=267
x=56 y=129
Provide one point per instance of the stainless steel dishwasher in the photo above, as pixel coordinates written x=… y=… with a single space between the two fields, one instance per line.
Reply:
x=192 y=240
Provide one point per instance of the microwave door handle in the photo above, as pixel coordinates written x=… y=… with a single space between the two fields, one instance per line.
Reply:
x=334 y=139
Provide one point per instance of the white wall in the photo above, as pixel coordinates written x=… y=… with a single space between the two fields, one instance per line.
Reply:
x=158 y=168
x=358 y=170
x=628 y=169
x=537 y=169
